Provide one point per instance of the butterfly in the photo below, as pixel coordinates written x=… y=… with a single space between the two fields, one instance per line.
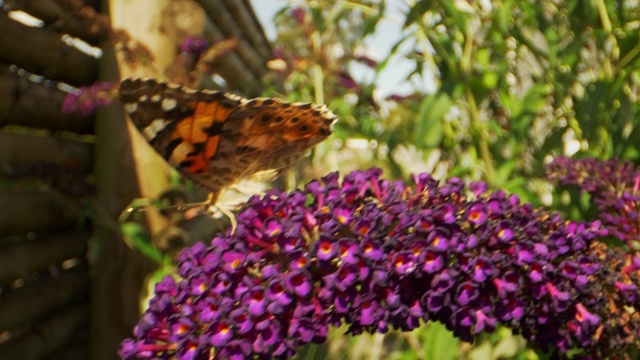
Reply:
x=218 y=139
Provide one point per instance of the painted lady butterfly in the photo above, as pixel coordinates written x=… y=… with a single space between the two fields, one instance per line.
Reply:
x=215 y=138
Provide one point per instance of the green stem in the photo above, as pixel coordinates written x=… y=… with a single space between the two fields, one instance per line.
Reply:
x=318 y=84
x=465 y=62
x=604 y=16
x=364 y=8
x=629 y=57
x=606 y=25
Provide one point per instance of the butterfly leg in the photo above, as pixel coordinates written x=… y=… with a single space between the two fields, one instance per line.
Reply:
x=231 y=216
x=215 y=210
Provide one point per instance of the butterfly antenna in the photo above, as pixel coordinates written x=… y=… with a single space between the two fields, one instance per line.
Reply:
x=141 y=205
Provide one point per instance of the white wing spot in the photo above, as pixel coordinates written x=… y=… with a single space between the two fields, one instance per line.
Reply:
x=180 y=152
x=143 y=98
x=169 y=104
x=130 y=107
x=156 y=98
x=151 y=131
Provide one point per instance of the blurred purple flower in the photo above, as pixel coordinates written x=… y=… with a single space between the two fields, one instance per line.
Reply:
x=614 y=187
x=298 y=14
x=398 y=97
x=345 y=80
x=86 y=100
x=194 y=46
x=367 y=61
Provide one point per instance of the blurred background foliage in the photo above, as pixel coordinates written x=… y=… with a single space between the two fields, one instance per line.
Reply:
x=514 y=84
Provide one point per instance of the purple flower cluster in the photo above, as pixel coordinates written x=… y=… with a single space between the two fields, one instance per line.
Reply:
x=194 y=47
x=374 y=255
x=88 y=99
x=614 y=187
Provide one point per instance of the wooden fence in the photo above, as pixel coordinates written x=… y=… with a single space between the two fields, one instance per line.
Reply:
x=69 y=286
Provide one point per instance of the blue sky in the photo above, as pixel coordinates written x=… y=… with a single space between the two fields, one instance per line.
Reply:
x=388 y=32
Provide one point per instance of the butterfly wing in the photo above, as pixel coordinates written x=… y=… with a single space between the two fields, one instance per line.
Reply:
x=273 y=134
x=216 y=139
x=183 y=125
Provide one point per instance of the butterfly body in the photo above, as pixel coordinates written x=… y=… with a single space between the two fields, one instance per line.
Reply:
x=215 y=138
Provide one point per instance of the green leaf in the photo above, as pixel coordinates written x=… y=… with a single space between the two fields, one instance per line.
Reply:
x=439 y=343
x=136 y=235
x=451 y=12
x=504 y=172
x=318 y=19
x=416 y=11
x=429 y=130
x=503 y=16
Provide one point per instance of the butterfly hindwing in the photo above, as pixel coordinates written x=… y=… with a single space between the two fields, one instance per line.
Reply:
x=280 y=132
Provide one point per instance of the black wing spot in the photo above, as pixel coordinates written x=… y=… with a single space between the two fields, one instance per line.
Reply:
x=268 y=102
x=295 y=120
x=278 y=119
x=214 y=129
x=186 y=163
x=304 y=128
x=198 y=148
x=265 y=118
x=304 y=106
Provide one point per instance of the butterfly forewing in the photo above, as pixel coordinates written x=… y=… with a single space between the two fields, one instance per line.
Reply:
x=216 y=139
x=183 y=125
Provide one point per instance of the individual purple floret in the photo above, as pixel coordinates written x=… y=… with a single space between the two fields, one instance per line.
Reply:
x=374 y=254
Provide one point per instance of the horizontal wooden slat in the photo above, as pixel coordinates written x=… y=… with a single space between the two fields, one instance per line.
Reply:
x=79 y=349
x=26 y=103
x=41 y=51
x=37 y=298
x=24 y=149
x=250 y=25
x=242 y=68
x=231 y=66
x=35 y=210
x=233 y=22
x=48 y=337
x=54 y=16
x=21 y=259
